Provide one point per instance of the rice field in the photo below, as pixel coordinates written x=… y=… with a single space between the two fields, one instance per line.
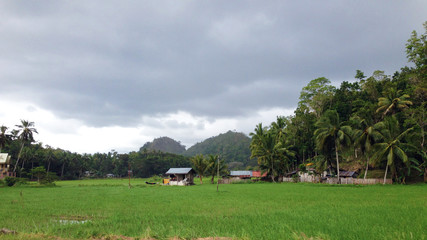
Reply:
x=109 y=209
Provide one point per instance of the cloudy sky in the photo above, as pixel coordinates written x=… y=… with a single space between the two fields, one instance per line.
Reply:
x=102 y=75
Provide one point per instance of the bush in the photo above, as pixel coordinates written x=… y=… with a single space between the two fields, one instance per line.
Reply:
x=10 y=181
x=295 y=178
x=2 y=184
x=49 y=178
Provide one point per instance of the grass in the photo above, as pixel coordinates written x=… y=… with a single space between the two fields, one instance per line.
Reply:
x=104 y=208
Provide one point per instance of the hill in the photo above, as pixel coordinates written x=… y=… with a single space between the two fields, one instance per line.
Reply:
x=231 y=146
x=164 y=144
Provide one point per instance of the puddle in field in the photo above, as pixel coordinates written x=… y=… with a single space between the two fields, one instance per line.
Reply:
x=66 y=220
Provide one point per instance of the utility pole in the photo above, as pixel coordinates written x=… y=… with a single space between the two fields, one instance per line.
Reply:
x=217 y=181
x=129 y=172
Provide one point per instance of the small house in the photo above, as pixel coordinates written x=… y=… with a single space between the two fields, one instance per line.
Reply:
x=241 y=174
x=5 y=165
x=180 y=176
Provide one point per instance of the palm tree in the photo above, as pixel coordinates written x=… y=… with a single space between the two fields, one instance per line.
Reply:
x=262 y=146
x=393 y=100
x=331 y=132
x=270 y=147
x=391 y=147
x=214 y=169
x=26 y=130
x=201 y=165
x=365 y=137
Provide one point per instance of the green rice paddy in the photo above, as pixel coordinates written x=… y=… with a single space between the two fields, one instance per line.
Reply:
x=108 y=209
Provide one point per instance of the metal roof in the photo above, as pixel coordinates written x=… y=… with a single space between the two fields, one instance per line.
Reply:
x=179 y=170
x=3 y=157
x=348 y=174
x=241 y=173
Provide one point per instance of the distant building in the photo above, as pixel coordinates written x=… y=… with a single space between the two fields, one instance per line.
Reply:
x=4 y=166
x=241 y=174
x=180 y=176
x=257 y=174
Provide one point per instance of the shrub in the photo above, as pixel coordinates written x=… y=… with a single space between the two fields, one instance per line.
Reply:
x=295 y=178
x=10 y=181
x=49 y=178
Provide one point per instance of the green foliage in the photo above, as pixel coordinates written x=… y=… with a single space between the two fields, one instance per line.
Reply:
x=201 y=165
x=416 y=50
x=10 y=181
x=231 y=146
x=271 y=148
x=164 y=144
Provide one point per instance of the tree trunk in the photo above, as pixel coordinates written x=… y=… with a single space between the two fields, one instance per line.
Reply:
x=272 y=170
x=200 y=176
x=19 y=156
x=212 y=179
x=385 y=175
x=338 y=162
x=62 y=170
x=48 y=165
x=367 y=165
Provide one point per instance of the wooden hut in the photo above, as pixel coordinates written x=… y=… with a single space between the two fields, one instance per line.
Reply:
x=5 y=165
x=180 y=176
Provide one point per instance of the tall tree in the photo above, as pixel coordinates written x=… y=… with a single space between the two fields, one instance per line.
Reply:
x=331 y=132
x=391 y=148
x=365 y=136
x=394 y=100
x=26 y=130
x=201 y=165
x=214 y=169
x=317 y=95
x=416 y=50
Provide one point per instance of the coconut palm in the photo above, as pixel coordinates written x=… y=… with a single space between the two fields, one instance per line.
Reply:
x=331 y=132
x=26 y=130
x=201 y=165
x=268 y=145
x=393 y=100
x=365 y=136
x=391 y=148
x=262 y=147
x=214 y=169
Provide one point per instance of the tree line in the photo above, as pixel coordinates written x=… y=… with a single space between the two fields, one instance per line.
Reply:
x=29 y=158
x=373 y=122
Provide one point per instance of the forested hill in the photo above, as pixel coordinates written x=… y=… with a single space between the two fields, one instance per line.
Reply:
x=164 y=144
x=231 y=146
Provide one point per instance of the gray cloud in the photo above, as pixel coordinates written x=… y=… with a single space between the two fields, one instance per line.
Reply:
x=109 y=63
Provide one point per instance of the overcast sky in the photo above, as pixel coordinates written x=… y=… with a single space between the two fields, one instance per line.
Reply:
x=102 y=75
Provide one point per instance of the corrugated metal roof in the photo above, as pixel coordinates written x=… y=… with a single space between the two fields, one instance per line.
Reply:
x=241 y=173
x=179 y=170
x=258 y=174
x=348 y=174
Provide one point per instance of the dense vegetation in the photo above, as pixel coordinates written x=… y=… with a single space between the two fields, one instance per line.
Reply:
x=376 y=122
x=164 y=144
x=373 y=122
x=231 y=146
x=108 y=209
x=26 y=156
